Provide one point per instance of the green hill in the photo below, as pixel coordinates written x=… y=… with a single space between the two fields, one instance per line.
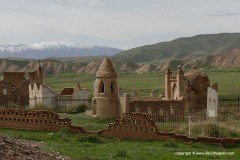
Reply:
x=182 y=48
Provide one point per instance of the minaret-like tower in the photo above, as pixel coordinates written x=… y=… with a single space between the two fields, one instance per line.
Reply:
x=181 y=83
x=105 y=100
x=168 y=75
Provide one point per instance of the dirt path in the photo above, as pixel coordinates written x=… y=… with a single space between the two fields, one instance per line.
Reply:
x=12 y=149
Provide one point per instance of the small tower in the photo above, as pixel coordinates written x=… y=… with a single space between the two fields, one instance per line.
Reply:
x=105 y=101
x=168 y=75
x=181 y=83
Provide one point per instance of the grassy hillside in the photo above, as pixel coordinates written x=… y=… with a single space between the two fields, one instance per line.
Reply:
x=182 y=48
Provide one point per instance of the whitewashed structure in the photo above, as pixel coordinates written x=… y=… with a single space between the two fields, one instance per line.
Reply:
x=212 y=103
x=40 y=94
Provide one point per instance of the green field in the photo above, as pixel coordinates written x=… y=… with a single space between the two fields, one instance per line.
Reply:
x=79 y=146
x=228 y=80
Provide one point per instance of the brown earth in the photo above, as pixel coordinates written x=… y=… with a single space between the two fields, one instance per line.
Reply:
x=13 y=149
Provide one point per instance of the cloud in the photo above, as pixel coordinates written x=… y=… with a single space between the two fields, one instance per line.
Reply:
x=120 y=23
x=224 y=13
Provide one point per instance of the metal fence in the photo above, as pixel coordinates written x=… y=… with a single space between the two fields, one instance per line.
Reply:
x=195 y=123
x=229 y=103
x=49 y=103
x=198 y=124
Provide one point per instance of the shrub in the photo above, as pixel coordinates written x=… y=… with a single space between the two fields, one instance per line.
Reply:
x=121 y=153
x=81 y=108
x=76 y=109
x=170 y=144
x=63 y=134
x=90 y=139
x=42 y=107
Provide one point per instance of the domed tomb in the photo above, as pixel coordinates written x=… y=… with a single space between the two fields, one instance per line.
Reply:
x=198 y=82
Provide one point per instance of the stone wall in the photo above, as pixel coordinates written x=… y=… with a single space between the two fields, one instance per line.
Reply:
x=35 y=120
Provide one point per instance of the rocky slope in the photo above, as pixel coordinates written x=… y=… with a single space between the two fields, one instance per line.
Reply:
x=230 y=59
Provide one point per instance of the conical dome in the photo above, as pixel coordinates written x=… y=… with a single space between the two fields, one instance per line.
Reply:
x=106 y=69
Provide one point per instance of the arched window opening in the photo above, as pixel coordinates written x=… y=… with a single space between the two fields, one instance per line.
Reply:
x=174 y=87
x=172 y=110
x=101 y=87
x=137 y=109
x=149 y=112
x=161 y=111
x=112 y=87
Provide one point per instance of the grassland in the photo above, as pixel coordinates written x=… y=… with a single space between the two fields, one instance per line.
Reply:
x=228 y=80
x=79 y=146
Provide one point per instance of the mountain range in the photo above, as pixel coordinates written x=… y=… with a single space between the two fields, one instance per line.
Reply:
x=208 y=51
x=55 y=49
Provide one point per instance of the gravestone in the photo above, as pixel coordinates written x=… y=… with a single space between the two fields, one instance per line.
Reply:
x=212 y=103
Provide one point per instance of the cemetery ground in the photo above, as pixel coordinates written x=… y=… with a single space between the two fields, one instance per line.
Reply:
x=81 y=146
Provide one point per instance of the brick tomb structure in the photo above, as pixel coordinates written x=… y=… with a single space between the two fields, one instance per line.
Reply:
x=35 y=120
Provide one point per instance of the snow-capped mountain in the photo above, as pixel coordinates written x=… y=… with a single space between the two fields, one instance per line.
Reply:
x=54 y=49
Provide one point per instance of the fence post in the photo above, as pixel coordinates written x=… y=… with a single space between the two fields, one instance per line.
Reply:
x=189 y=124
x=220 y=99
x=238 y=104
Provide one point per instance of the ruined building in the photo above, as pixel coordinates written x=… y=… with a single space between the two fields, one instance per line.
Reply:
x=41 y=94
x=18 y=90
x=184 y=92
x=14 y=87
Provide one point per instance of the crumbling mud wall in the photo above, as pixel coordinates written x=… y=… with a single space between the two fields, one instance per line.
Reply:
x=140 y=126
x=35 y=120
x=133 y=126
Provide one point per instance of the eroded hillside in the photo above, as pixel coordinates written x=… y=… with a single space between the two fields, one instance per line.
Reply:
x=230 y=59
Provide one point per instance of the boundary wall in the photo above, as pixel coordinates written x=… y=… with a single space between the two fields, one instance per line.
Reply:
x=140 y=126
x=131 y=126
x=35 y=120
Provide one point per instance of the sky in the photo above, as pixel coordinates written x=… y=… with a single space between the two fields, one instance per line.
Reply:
x=122 y=24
